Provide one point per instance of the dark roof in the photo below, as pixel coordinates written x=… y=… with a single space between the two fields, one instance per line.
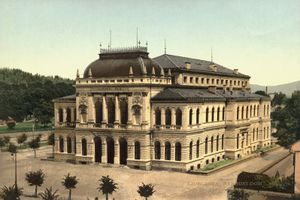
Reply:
x=187 y=95
x=113 y=63
x=197 y=66
x=203 y=95
x=66 y=98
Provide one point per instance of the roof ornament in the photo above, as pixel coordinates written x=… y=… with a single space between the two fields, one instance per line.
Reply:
x=130 y=71
x=77 y=73
x=169 y=72
x=90 y=73
x=153 y=71
x=165 y=47
x=137 y=36
x=162 y=73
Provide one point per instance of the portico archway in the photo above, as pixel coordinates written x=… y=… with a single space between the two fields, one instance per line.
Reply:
x=98 y=149
x=110 y=150
x=123 y=151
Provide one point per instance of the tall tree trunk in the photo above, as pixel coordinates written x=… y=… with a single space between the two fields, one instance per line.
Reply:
x=35 y=191
x=70 y=194
x=106 y=196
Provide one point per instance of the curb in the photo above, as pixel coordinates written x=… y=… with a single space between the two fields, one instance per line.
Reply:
x=269 y=166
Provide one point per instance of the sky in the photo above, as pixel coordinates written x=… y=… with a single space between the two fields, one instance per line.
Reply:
x=259 y=37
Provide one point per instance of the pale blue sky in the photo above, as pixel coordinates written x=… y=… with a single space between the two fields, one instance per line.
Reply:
x=260 y=37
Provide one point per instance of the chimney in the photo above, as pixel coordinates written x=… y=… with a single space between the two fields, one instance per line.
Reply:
x=212 y=89
x=236 y=71
x=187 y=65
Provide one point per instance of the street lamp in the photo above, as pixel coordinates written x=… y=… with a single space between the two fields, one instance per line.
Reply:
x=13 y=150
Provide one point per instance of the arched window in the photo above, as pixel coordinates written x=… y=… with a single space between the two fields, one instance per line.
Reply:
x=247 y=112
x=178 y=151
x=250 y=111
x=256 y=133
x=213 y=114
x=157 y=117
x=69 y=145
x=84 y=147
x=191 y=150
x=197 y=148
x=218 y=114
x=68 y=118
x=178 y=117
x=238 y=141
x=264 y=110
x=207 y=115
x=217 y=145
x=206 y=145
x=111 y=111
x=198 y=116
x=264 y=132
x=137 y=114
x=167 y=151
x=222 y=141
x=61 y=144
x=257 y=110
x=212 y=144
x=253 y=134
x=98 y=108
x=254 y=111
x=60 y=115
x=191 y=117
x=168 y=117
x=157 y=150
x=243 y=112
x=238 y=113
x=268 y=110
x=137 y=150
x=223 y=114
x=124 y=111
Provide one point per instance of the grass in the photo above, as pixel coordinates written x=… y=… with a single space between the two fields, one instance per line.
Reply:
x=264 y=149
x=215 y=165
x=23 y=127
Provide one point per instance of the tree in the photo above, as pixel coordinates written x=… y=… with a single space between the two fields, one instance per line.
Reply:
x=10 y=193
x=43 y=112
x=146 y=190
x=288 y=121
x=48 y=194
x=6 y=139
x=70 y=183
x=12 y=148
x=2 y=143
x=35 y=179
x=260 y=92
x=22 y=138
x=11 y=124
x=237 y=194
x=34 y=144
x=107 y=186
x=278 y=99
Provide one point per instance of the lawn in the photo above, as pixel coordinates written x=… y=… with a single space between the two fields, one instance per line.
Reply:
x=23 y=127
x=215 y=165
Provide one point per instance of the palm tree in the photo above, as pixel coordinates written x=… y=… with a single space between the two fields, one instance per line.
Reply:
x=10 y=193
x=48 y=194
x=107 y=186
x=35 y=179
x=146 y=190
x=70 y=183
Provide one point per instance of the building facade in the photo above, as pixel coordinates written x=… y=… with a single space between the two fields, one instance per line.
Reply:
x=169 y=112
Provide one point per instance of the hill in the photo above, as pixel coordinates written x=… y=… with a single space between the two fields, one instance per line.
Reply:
x=287 y=88
x=24 y=95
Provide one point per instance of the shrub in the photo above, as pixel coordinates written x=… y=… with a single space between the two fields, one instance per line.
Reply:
x=10 y=124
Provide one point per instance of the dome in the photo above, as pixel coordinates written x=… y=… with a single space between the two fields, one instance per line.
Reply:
x=117 y=63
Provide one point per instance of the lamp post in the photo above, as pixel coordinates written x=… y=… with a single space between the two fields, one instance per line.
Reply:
x=13 y=150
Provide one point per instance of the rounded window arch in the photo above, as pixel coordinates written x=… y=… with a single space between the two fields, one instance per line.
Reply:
x=167 y=151
x=197 y=148
x=157 y=116
x=98 y=112
x=60 y=115
x=218 y=114
x=157 y=151
x=198 y=116
x=83 y=146
x=191 y=150
x=238 y=141
x=178 y=117
x=137 y=150
x=178 y=151
x=191 y=117
x=168 y=117
x=206 y=145
x=207 y=115
x=223 y=114
x=68 y=117
x=61 y=144
x=212 y=144
x=69 y=145
x=217 y=141
x=111 y=111
x=124 y=111
x=213 y=114
x=238 y=113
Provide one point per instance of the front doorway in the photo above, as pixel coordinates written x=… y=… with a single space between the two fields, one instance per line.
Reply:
x=123 y=151
x=110 y=150
x=98 y=149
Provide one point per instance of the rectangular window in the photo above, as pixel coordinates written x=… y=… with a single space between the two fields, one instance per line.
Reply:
x=191 y=79
x=184 y=79
x=197 y=80
x=202 y=80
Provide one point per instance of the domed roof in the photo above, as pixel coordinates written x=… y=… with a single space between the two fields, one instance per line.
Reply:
x=120 y=62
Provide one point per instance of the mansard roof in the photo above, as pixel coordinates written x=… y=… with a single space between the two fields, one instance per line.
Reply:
x=66 y=98
x=177 y=63
x=197 y=95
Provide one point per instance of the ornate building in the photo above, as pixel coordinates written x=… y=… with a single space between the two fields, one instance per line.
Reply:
x=169 y=112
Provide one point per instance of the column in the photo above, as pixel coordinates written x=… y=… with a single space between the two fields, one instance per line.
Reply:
x=56 y=117
x=185 y=118
x=117 y=151
x=64 y=115
x=104 y=151
x=72 y=115
x=104 y=110
x=91 y=109
x=117 y=112
x=129 y=122
x=172 y=151
x=173 y=118
x=145 y=110
x=152 y=118
x=163 y=117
